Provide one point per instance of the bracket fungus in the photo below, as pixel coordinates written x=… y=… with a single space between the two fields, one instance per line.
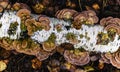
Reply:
x=23 y=14
x=76 y=57
x=111 y=23
x=65 y=14
x=87 y=17
x=113 y=58
x=18 y=6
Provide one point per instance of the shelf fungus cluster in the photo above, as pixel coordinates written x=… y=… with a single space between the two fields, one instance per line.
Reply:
x=112 y=25
x=111 y=58
x=76 y=57
x=68 y=34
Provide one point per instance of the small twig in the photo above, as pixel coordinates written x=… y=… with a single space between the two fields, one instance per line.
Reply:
x=79 y=1
x=104 y=3
x=21 y=59
x=18 y=0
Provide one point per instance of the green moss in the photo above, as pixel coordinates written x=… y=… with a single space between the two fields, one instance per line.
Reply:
x=111 y=34
x=88 y=38
x=70 y=36
x=59 y=29
x=89 y=68
x=81 y=35
x=103 y=38
x=52 y=37
x=12 y=28
x=23 y=27
x=38 y=28
x=8 y=40
x=29 y=41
